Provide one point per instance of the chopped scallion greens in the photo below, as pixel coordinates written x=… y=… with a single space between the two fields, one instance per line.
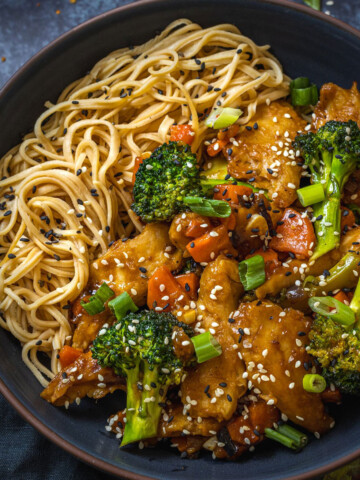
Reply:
x=96 y=303
x=121 y=305
x=315 y=4
x=314 y=383
x=311 y=194
x=223 y=117
x=281 y=438
x=208 y=208
x=252 y=272
x=298 y=437
x=206 y=347
x=332 y=308
x=303 y=92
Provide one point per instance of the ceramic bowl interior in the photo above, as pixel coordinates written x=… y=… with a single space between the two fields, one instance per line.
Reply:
x=307 y=44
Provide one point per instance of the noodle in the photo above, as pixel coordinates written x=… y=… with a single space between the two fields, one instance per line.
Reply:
x=65 y=187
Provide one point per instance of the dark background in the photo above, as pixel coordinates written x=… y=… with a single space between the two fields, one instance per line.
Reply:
x=25 y=27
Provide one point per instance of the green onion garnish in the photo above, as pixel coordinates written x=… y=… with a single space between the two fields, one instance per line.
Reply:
x=223 y=117
x=314 y=383
x=252 y=272
x=206 y=347
x=121 y=305
x=311 y=194
x=281 y=438
x=315 y=4
x=96 y=303
x=298 y=437
x=208 y=208
x=303 y=92
x=332 y=308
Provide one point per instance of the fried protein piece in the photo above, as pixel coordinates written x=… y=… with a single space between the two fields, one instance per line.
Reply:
x=337 y=103
x=86 y=326
x=81 y=378
x=258 y=150
x=149 y=250
x=273 y=344
x=206 y=382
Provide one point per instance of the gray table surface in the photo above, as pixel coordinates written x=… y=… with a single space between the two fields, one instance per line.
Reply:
x=26 y=26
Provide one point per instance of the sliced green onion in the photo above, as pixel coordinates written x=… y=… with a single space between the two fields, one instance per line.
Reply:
x=303 y=92
x=208 y=208
x=315 y=4
x=314 y=383
x=206 y=347
x=223 y=117
x=311 y=194
x=96 y=303
x=121 y=305
x=298 y=437
x=332 y=308
x=281 y=438
x=252 y=272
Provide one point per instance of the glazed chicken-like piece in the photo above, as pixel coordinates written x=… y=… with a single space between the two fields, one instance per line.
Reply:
x=84 y=377
x=120 y=266
x=86 y=326
x=265 y=154
x=272 y=342
x=212 y=388
x=337 y=103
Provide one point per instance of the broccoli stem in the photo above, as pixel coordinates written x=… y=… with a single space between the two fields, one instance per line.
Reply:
x=355 y=303
x=142 y=406
x=328 y=227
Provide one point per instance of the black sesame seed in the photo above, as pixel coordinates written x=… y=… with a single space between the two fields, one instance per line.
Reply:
x=6 y=214
x=223 y=384
x=287 y=274
x=39 y=342
x=229 y=397
x=187 y=287
x=142 y=269
x=78 y=172
x=239 y=50
x=207 y=388
x=57 y=258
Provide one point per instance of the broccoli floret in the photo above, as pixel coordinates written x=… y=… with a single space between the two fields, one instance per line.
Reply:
x=140 y=348
x=332 y=153
x=338 y=352
x=163 y=180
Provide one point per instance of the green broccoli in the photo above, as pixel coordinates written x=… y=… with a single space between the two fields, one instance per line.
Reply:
x=163 y=180
x=168 y=176
x=332 y=153
x=338 y=352
x=336 y=346
x=140 y=348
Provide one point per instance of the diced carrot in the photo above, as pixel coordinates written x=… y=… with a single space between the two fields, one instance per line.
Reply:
x=271 y=260
x=296 y=235
x=194 y=229
x=228 y=132
x=182 y=133
x=263 y=416
x=215 y=148
x=236 y=426
x=68 y=355
x=342 y=297
x=208 y=246
x=164 y=291
x=190 y=283
x=138 y=162
x=231 y=193
x=347 y=218
x=229 y=222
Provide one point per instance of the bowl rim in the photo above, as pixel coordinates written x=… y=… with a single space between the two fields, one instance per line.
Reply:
x=26 y=414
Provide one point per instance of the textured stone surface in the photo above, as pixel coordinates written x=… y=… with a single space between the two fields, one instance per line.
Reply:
x=26 y=26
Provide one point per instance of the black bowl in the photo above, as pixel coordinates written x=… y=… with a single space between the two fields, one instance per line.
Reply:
x=307 y=43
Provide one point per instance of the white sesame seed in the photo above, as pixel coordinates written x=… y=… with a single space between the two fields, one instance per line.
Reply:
x=298 y=342
x=133 y=291
x=142 y=259
x=213 y=234
x=292 y=385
